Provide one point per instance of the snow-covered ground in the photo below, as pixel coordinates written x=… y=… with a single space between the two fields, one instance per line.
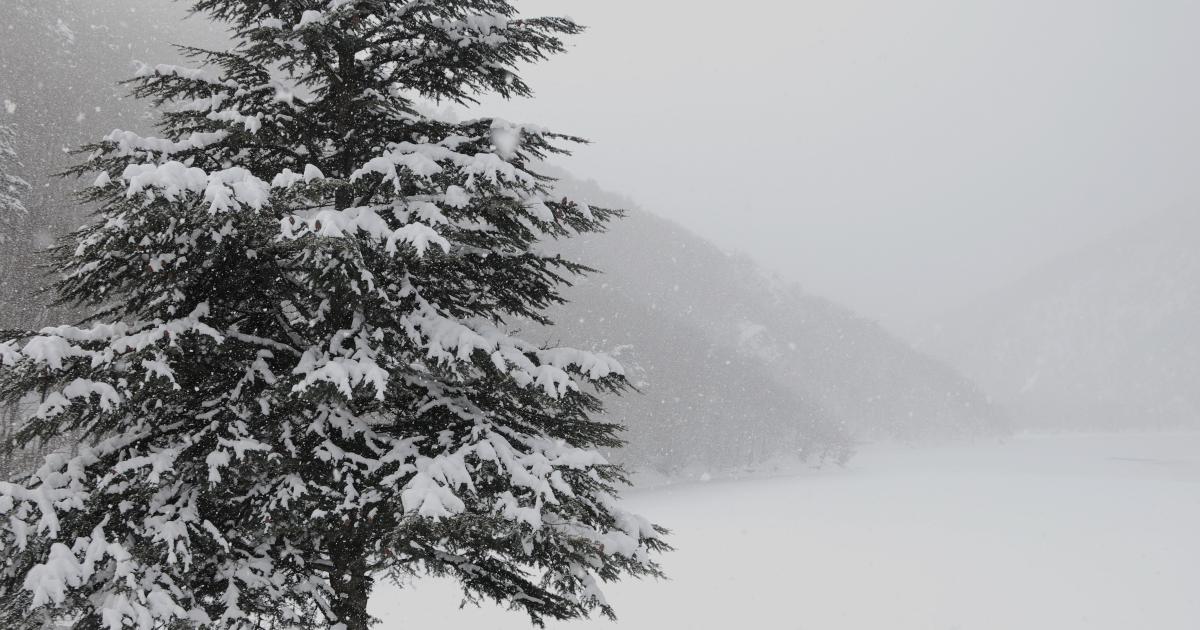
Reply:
x=1053 y=532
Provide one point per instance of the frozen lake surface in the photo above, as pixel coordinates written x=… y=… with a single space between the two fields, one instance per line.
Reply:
x=1056 y=532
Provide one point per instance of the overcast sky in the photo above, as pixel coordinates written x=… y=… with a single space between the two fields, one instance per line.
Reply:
x=900 y=157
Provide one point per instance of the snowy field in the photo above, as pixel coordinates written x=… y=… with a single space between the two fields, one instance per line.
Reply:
x=1064 y=532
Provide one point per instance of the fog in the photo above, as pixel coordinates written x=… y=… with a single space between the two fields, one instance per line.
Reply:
x=906 y=295
x=901 y=158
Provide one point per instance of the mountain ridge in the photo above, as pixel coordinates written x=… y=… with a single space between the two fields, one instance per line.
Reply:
x=1103 y=337
x=856 y=381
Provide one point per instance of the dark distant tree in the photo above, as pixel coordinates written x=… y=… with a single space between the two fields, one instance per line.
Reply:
x=12 y=187
x=301 y=374
x=13 y=191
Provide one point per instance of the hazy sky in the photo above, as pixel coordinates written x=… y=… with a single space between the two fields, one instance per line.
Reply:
x=900 y=157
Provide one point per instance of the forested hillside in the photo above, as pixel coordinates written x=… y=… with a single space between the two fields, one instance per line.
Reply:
x=732 y=360
x=1106 y=337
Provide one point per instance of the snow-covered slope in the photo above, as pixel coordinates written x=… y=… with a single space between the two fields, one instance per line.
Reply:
x=1109 y=336
x=735 y=361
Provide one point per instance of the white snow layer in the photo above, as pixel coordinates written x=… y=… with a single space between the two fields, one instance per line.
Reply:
x=1072 y=532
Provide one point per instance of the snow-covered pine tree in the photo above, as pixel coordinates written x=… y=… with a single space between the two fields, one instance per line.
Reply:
x=302 y=373
x=12 y=187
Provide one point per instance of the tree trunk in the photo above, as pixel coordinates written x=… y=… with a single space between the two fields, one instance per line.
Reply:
x=347 y=89
x=352 y=586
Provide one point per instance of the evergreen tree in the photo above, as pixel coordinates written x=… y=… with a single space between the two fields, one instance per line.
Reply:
x=303 y=371
x=12 y=187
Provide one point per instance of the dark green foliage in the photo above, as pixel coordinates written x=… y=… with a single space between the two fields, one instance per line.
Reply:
x=301 y=374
